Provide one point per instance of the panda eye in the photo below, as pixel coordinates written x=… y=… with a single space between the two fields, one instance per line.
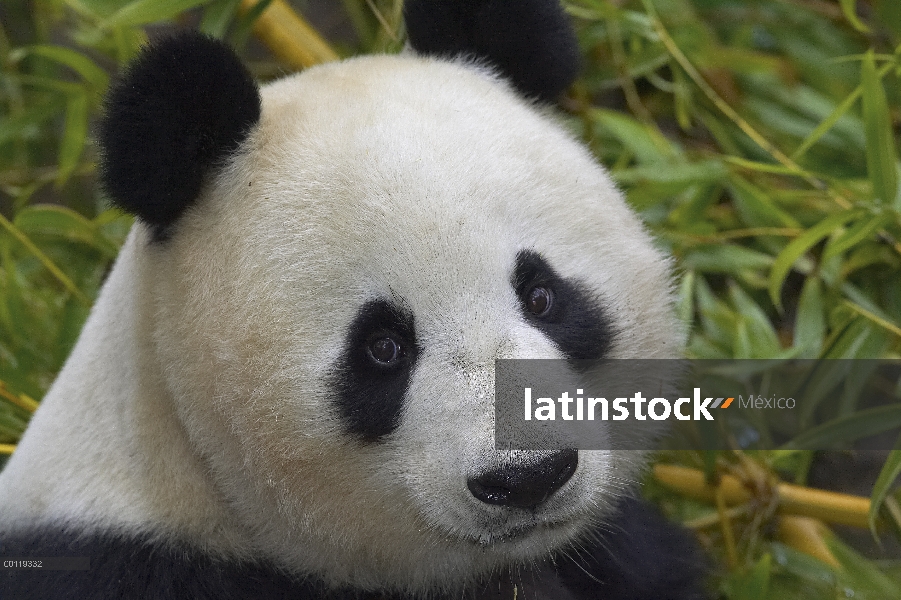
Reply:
x=385 y=350
x=539 y=301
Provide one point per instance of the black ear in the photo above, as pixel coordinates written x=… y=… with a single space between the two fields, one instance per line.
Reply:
x=179 y=110
x=530 y=41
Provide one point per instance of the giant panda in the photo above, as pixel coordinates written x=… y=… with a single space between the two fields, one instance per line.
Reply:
x=285 y=387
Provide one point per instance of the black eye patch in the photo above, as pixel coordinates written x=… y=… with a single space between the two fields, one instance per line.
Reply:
x=373 y=373
x=565 y=310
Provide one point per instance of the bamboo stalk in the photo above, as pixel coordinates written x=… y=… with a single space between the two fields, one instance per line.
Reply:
x=831 y=507
x=808 y=536
x=289 y=36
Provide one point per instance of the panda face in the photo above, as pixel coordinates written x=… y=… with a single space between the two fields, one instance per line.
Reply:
x=328 y=314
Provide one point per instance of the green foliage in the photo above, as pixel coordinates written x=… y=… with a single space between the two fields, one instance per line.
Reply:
x=58 y=237
x=760 y=142
x=793 y=575
x=758 y=138
x=772 y=182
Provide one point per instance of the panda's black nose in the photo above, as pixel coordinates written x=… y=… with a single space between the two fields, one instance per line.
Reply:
x=527 y=484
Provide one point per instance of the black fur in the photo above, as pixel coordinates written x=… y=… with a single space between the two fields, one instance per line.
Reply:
x=529 y=41
x=181 y=108
x=576 y=322
x=641 y=556
x=370 y=395
x=638 y=557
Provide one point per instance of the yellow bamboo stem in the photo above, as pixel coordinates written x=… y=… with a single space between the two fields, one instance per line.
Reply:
x=806 y=535
x=831 y=507
x=289 y=36
x=7 y=448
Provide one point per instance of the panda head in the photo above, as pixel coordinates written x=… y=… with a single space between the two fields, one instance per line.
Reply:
x=335 y=262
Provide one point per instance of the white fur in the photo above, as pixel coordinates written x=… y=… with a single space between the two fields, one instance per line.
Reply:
x=196 y=404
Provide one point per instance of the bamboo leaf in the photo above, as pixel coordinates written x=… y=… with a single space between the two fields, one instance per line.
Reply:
x=755 y=584
x=830 y=121
x=686 y=297
x=864 y=423
x=74 y=136
x=645 y=141
x=849 y=7
x=84 y=66
x=45 y=260
x=804 y=242
x=678 y=174
x=854 y=235
x=887 y=476
x=875 y=317
x=217 y=17
x=847 y=341
x=757 y=207
x=881 y=156
x=726 y=259
x=806 y=568
x=762 y=339
x=863 y=575
x=149 y=11
x=810 y=322
x=760 y=167
x=62 y=222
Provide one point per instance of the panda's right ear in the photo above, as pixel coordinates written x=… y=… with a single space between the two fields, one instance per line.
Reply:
x=180 y=109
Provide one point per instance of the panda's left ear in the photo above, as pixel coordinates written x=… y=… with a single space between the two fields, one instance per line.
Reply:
x=531 y=42
x=180 y=109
